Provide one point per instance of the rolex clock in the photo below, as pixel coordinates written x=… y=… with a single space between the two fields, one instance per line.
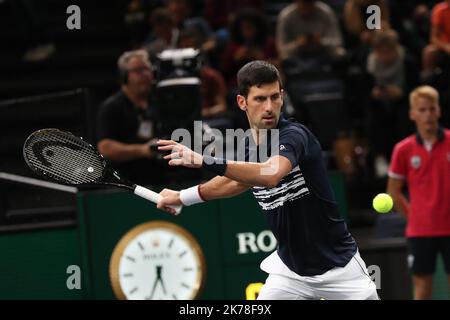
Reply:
x=157 y=261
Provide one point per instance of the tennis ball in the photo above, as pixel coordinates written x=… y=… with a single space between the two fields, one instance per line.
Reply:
x=382 y=203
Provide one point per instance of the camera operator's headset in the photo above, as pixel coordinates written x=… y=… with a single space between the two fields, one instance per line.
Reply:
x=123 y=75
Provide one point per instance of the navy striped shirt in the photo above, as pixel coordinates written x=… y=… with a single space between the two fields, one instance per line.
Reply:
x=301 y=210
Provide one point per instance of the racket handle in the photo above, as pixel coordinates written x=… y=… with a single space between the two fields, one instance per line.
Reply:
x=153 y=197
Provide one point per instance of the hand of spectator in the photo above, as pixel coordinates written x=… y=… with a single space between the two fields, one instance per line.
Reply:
x=241 y=53
x=447 y=48
x=365 y=36
x=134 y=5
x=421 y=11
x=316 y=38
x=207 y=112
x=393 y=92
x=146 y=151
x=209 y=45
x=302 y=41
x=377 y=93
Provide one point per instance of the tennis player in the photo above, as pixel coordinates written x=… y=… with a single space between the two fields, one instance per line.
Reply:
x=316 y=258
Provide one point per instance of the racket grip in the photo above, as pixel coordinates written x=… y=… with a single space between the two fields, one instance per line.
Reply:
x=153 y=197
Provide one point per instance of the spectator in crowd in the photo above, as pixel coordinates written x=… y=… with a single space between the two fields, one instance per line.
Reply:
x=186 y=17
x=31 y=16
x=308 y=27
x=164 y=34
x=213 y=88
x=183 y=13
x=358 y=40
x=136 y=18
x=250 y=40
x=438 y=51
x=126 y=122
x=422 y=163
x=219 y=13
x=411 y=19
x=388 y=65
x=355 y=16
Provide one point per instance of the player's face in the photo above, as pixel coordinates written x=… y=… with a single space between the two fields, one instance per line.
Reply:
x=139 y=76
x=263 y=105
x=425 y=113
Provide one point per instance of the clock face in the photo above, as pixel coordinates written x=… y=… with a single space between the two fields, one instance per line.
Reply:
x=157 y=261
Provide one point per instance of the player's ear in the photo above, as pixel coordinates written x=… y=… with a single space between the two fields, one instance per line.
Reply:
x=241 y=101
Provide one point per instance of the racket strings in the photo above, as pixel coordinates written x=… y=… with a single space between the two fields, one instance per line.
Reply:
x=55 y=170
x=67 y=167
x=64 y=157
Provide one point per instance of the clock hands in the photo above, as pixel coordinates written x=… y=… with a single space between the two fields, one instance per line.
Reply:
x=158 y=279
x=162 y=251
x=158 y=276
x=153 y=290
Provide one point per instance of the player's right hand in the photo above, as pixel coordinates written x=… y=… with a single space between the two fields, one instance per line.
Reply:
x=169 y=198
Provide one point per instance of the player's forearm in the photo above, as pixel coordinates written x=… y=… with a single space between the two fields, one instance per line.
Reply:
x=120 y=152
x=221 y=187
x=255 y=174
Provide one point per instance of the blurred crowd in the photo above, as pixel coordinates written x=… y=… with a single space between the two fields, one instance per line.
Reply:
x=348 y=82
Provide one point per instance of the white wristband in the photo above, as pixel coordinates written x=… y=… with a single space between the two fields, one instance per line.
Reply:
x=190 y=196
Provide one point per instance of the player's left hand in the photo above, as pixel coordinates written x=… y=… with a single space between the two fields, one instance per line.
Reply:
x=181 y=155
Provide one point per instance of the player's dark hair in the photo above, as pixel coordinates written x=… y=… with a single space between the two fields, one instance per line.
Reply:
x=256 y=73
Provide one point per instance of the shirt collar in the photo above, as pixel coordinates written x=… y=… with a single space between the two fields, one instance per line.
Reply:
x=281 y=121
x=440 y=136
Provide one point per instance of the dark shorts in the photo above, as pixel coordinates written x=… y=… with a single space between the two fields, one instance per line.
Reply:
x=423 y=252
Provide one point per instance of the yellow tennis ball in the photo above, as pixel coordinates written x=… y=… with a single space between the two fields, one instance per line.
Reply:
x=382 y=203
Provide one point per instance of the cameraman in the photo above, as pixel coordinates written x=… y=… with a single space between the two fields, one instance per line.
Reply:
x=126 y=122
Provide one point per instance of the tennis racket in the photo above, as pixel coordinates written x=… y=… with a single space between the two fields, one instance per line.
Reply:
x=62 y=157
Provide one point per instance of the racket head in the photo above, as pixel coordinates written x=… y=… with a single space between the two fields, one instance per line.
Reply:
x=62 y=157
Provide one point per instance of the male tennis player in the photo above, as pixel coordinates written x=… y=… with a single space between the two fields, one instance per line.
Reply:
x=316 y=256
